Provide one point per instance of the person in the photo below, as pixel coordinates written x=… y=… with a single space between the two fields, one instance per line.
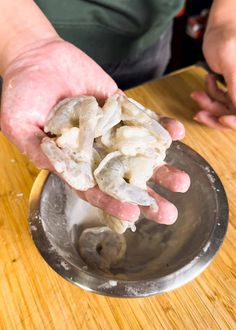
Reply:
x=39 y=68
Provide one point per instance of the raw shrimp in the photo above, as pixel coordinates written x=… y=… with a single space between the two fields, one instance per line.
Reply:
x=69 y=143
x=77 y=174
x=78 y=111
x=135 y=114
x=133 y=140
x=117 y=225
x=108 y=139
x=112 y=172
x=100 y=247
x=69 y=139
x=87 y=123
x=100 y=147
x=76 y=144
x=109 y=116
x=66 y=114
x=116 y=146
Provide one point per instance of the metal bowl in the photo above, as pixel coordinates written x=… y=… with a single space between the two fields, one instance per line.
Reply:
x=174 y=254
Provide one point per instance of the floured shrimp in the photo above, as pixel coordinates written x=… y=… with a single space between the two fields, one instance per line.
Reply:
x=100 y=247
x=100 y=147
x=109 y=116
x=133 y=140
x=135 y=114
x=69 y=143
x=72 y=112
x=69 y=139
x=111 y=176
x=117 y=225
x=75 y=145
x=66 y=114
x=78 y=174
x=116 y=146
x=87 y=123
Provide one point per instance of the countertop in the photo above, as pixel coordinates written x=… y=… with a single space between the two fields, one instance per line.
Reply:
x=33 y=296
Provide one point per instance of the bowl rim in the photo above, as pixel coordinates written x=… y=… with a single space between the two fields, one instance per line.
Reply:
x=126 y=288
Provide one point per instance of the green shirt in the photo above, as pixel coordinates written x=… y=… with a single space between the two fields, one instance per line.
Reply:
x=110 y=30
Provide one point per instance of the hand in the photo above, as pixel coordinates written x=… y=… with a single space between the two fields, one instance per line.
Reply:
x=217 y=109
x=219 y=47
x=43 y=75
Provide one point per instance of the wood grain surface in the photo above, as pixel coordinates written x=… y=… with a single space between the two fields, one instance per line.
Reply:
x=33 y=296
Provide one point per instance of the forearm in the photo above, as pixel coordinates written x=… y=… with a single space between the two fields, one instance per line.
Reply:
x=222 y=12
x=22 y=24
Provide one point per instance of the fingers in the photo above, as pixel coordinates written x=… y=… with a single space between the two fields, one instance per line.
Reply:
x=116 y=208
x=214 y=91
x=168 y=176
x=172 y=178
x=228 y=121
x=229 y=73
x=207 y=104
x=217 y=108
x=208 y=119
x=174 y=127
x=166 y=214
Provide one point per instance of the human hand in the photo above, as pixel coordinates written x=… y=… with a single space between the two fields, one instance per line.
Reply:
x=217 y=109
x=219 y=48
x=43 y=75
x=37 y=80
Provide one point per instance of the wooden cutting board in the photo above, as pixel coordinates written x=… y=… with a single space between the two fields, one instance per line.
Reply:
x=33 y=296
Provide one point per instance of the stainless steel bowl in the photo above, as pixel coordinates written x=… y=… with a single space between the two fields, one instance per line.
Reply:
x=175 y=254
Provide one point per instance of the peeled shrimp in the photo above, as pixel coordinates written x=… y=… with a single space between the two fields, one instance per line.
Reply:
x=109 y=116
x=116 y=146
x=117 y=225
x=82 y=112
x=87 y=123
x=100 y=247
x=74 y=146
x=77 y=174
x=69 y=139
x=111 y=174
x=133 y=140
x=66 y=114
x=69 y=143
x=134 y=113
x=108 y=139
